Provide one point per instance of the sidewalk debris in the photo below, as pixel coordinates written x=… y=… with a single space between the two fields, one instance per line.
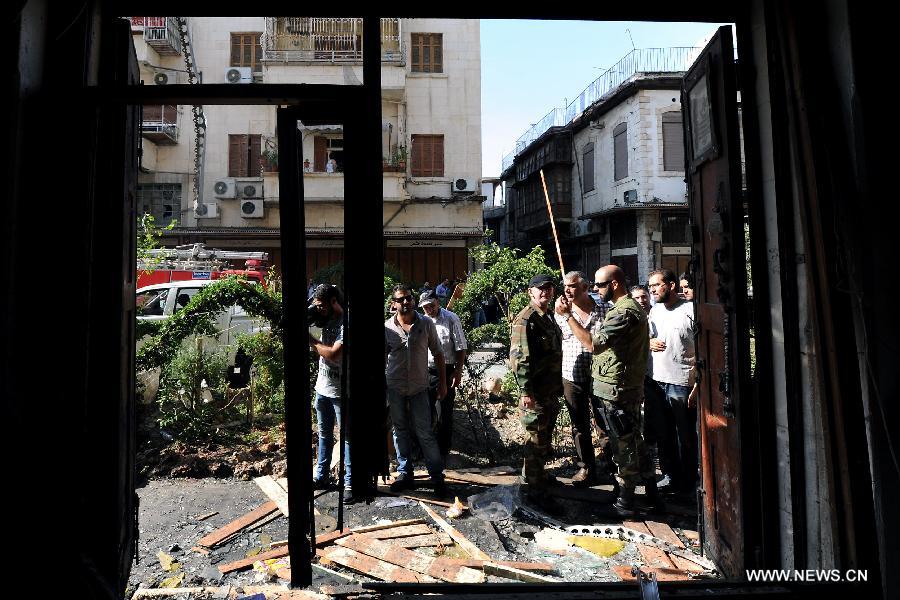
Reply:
x=459 y=538
x=222 y=534
x=456 y=510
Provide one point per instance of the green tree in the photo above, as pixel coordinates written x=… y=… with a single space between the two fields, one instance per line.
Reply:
x=148 y=236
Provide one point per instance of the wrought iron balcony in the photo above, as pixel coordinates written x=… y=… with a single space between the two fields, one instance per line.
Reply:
x=160 y=124
x=327 y=40
x=160 y=33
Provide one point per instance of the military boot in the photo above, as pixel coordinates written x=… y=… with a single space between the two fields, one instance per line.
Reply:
x=651 y=501
x=624 y=504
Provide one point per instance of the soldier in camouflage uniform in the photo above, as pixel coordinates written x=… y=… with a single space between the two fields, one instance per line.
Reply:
x=620 y=348
x=535 y=358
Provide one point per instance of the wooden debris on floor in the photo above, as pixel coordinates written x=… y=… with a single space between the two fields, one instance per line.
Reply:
x=222 y=534
x=459 y=538
x=274 y=491
x=426 y=565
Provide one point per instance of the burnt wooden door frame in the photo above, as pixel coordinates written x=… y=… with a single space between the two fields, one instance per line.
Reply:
x=712 y=158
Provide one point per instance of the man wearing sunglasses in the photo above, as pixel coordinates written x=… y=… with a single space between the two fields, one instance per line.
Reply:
x=535 y=358
x=408 y=337
x=620 y=347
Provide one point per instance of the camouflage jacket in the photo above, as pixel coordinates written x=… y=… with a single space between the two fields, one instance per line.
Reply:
x=535 y=352
x=621 y=347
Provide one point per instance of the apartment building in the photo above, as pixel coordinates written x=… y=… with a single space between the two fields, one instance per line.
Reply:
x=613 y=162
x=214 y=169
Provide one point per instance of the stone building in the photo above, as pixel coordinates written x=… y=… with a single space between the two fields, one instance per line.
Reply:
x=613 y=163
x=223 y=191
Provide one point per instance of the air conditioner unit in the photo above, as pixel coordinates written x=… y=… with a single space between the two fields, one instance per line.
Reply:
x=249 y=188
x=207 y=210
x=630 y=196
x=161 y=78
x=238 y=75
x=225 y=188
x=463 y=185
x=580 y=228
x=252 y=209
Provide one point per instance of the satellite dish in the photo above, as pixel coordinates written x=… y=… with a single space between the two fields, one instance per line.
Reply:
x=233 y=76
x=160 y=79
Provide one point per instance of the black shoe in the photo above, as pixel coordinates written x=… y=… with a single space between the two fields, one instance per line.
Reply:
x=440 y=489
x=403 y=482
x=651 y=502
x=584 y=478
x=349 y=498
x=323 y=483
x=624 y=504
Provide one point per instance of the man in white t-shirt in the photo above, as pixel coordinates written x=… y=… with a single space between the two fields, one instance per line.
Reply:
x=672 y=351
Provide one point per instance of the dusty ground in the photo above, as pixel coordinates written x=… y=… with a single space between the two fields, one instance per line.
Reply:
x=169 y=508
x=184 y=482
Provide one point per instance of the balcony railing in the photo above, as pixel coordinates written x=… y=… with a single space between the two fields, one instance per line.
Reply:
x=646 y=60
x=160 y=33
x=160 y=124
x=308 y=39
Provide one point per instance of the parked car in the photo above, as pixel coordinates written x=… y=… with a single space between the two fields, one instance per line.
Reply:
x=160 y=301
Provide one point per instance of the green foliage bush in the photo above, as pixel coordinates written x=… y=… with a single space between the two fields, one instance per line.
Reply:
x=267 y=385
x=183 y=408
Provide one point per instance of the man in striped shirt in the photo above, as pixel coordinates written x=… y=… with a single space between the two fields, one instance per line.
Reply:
x=576 y=303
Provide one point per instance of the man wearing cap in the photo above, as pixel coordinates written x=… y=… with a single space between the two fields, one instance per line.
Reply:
x=620 y=348
x=535 y=358
x=453 y=347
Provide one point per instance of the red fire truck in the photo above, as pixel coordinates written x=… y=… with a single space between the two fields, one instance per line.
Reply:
x=196 y=262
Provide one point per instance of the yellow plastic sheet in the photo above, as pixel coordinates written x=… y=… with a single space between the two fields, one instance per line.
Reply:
x=600 y=546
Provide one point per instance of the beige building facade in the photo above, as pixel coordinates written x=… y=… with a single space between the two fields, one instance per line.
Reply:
x=228 y=197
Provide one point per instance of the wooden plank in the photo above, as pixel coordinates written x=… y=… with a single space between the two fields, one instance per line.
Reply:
x=421 y=541
x=459 y=538
x=482 y=479
x=163 y=592
x=685 y=564
x=385 y=491
x=370 y=566
x=638 y=526
x=663 y=532
x=327 y=538
x=420 y=563
x=206 y=516
x=253 y=526
x=246 y=563
x=403 y=523
x=275 y=492
x=399 y=532
x=662 y=574
x=515 y=564
x=492 y=568
x=216 y=537
x=200 y=550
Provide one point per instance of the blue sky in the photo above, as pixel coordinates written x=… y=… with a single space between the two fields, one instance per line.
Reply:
x=530 y=67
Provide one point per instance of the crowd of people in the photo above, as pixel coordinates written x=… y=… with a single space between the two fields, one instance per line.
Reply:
x=621 y=359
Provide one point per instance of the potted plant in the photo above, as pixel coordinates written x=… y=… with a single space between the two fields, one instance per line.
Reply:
x=270 y=160
x=400 y=157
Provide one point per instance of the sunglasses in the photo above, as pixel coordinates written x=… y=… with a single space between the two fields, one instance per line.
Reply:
x=601 y=284
x=402 y=299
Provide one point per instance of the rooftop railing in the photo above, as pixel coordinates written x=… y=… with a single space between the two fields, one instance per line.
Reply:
x=645 y=60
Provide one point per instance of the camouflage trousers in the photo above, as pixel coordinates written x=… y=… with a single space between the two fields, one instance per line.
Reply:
x=538 y=423
x=622 y=414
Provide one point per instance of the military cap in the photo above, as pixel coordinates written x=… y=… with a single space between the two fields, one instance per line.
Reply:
x=539 y=280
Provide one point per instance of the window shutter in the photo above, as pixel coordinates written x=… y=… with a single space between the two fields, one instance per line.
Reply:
x=620 y=150
x=235 y=50
x=254 y=168
x=588 y=167
x=320 y=153
x=416 y=158
x=673 y=141
x=438 y=145
x=237 y=155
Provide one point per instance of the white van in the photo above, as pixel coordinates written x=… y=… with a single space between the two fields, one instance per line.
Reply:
x=162 y=300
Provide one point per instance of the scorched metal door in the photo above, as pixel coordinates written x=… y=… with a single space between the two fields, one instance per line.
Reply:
x=709 y=102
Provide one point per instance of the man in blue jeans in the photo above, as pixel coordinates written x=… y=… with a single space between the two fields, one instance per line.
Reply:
x=329 y=302
x=408 y=337
x=673 y=356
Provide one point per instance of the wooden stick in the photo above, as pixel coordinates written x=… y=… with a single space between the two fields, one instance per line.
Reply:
x=459 y=538
x=562 y=269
